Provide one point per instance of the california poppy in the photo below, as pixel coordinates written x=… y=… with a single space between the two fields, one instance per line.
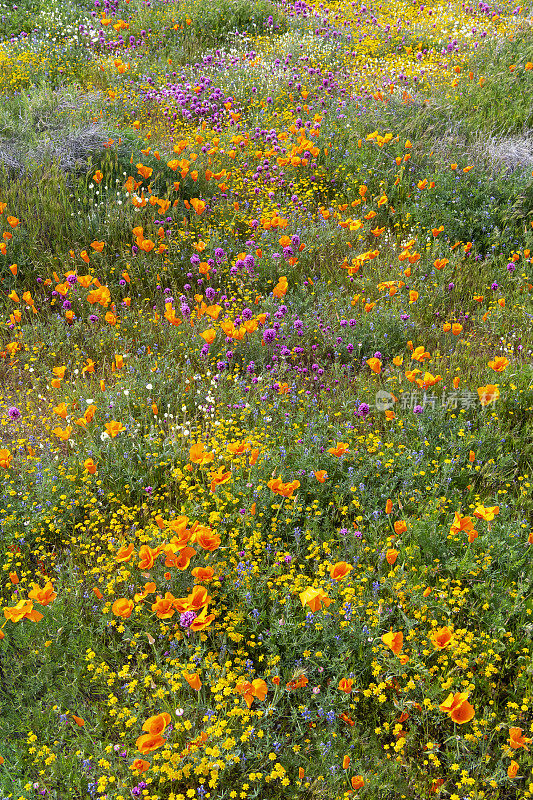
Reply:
x=193 y=680
x=157 y=723
x=204 y=574
x=23 y=610
x=441 y=638
x=164 y=606
x=207 y=539
x=199 y=455
x=340 y=570
x=465 y=524
x=114 y=428
x=5 y=458
x=375 y=365
x=458 y=707
x=147 y=556
x=516 y=740
x=486 y=514
x=400 y=526
x=123 y=608
x=512 y=769
x=125 y=553
x=339 y=450
x=499 y=363
x=488 y=394
x=43 y=596
x=314 y=598
x=149 y=742
x=345 y=685
x=140 y=766
x=219 y=477
x=394 y=641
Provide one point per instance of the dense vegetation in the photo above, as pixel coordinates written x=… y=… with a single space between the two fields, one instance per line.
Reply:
x=267 y=393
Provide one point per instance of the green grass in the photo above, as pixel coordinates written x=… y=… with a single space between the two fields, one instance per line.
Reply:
x=266 y=406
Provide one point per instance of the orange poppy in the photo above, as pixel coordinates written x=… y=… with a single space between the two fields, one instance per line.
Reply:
x=321 y=475
x=339 y=450
x=149 y=588
x=209 y=335
x=61 y=410
x=125 y=553
x=219 y=477
x=204 y=574
x=114 y=428
x=123 y=608
x=198 y=454
x=394 y=641
x=488 y=394
x=208 y=540
x=63 y=434
x=198 y=205
x=400 y=526
x=23 y=610
x=146 y=172
x=280 y=290
x=202 y=621
x=194 y=601
x=147 y=556
x=340 y=570
x=140 y=766
x=420 y=354
x=180 y=561
x=441 y=638
x=283 y=489
x=516 y=740
x=512 y=769
x=157 y=723
x=314 y=598
x=357 y=782
x=345 y=685
x=149 y=742
x=499 y=363
x=461 y=523
x=193 y=680
x=257 y=688
x=164 y=606
x=487 y=514
x=43 y=596
x=375 y=365
x=297 y=683
x=391 y=556
x=458 y=708
x=5 y=458
x=345 y=718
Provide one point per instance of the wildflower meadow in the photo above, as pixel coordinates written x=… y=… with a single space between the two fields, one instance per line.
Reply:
x=266 y=410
